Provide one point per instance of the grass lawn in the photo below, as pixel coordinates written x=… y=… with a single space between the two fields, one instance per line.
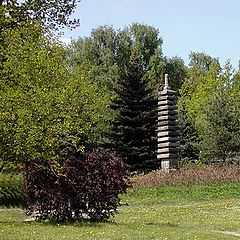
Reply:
x=169 y=212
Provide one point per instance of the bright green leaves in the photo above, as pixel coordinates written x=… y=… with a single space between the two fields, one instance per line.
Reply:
x=53 y=14
x=210 y=100
x=45 y=107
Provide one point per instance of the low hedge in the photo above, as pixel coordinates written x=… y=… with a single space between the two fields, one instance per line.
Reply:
x=12 y=193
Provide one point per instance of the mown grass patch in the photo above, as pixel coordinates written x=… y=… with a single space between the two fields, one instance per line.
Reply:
x=170 y=212
x=185 y=193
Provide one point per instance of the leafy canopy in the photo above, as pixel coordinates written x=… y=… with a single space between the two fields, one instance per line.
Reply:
x=43 y=105
x=210 y=102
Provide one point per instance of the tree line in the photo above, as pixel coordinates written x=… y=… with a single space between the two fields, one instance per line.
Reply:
x=101 y=91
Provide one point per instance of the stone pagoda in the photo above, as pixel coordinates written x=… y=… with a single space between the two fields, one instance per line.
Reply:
x=168 y=140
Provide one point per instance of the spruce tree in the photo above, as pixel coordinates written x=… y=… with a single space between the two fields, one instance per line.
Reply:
x=133 y=133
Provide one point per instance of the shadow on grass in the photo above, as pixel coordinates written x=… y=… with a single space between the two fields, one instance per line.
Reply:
x=83 y=224
x=17 y=223
x=162 y=224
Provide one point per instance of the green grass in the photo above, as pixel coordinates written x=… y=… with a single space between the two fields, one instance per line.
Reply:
x=170 y=212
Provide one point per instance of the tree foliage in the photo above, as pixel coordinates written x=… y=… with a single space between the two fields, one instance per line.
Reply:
x=209 y=103
x=109 y=52
x=43 y=105
x=50 y=113
x=53 y=14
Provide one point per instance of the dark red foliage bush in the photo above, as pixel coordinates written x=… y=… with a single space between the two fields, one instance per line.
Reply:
x=88 y=187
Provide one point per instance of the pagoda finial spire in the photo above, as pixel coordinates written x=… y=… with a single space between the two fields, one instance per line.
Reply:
x=166 y=86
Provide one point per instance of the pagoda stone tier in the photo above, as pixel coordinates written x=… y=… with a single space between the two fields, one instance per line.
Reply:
x=168 y=140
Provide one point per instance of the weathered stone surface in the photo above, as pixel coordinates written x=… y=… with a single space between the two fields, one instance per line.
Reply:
x=167 y=92
x=167 y=156
x=168 y=128
x=167 y=133
x=167 y=117
x=167 y=150
x=168 y=139
x=167 y=102
x=167 y=107
x=167 y=122
x=168 y=144
x=165 y=165
x=167 y=112
x=167 y=97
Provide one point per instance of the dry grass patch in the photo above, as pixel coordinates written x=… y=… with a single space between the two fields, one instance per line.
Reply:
x=186 y=176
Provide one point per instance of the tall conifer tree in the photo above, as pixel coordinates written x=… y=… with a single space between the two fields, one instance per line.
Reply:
x=134 y=129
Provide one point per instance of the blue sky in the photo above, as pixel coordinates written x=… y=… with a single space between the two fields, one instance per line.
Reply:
x=210 y=26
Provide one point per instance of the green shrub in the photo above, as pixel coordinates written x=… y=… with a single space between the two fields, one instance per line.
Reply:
x=12 y=193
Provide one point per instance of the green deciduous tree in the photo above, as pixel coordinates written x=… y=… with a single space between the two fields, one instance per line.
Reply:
x=209 y=103
x=109 y=51
x=53 y=14
x=189 y=139
x=221 y=136
x=45 y=104
x=44 y=107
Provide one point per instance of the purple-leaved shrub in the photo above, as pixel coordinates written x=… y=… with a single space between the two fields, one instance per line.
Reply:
x=88 y=187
